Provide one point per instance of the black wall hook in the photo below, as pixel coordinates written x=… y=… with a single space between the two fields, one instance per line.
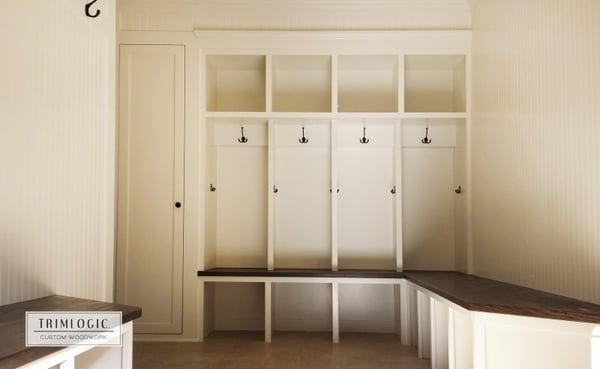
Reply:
x=87 y=10
x=393 y=190
x=303 y=140
x=243 y=139
x=426 y=140
x=275 y=189
x=364 y=139
x=212 y=188
x=458 y=190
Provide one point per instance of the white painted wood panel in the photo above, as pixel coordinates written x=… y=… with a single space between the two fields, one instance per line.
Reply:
x=367 y=308
x=536 y=204
x=428 y=208
x=150 y=228
x=365 y=208
x=241 y=190
x=524 y=343
x=239 y=306
x=303 y=201
x=57 y=144
x=185 y=15
x=302 y=307
x=439 y=334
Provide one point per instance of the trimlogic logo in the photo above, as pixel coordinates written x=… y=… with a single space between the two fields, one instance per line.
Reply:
x=67 y=328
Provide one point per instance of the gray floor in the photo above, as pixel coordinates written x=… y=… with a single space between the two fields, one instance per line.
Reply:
x=244 y=350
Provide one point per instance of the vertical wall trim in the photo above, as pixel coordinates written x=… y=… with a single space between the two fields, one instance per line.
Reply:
x=271 y=197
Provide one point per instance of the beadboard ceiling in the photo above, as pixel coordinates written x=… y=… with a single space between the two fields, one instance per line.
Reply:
x=184 y=15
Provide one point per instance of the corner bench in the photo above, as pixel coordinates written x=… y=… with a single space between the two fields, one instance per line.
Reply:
x=460 y=321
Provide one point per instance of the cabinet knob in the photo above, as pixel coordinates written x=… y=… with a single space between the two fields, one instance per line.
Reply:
x=177 y=204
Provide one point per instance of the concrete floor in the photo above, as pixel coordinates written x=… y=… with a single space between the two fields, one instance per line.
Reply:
x=246 y=350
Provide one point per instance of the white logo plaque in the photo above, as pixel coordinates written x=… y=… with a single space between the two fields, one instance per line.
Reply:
x=68 y=328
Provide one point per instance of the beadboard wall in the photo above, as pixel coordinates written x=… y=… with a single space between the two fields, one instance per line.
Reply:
x=186 y=15
x=536 y=144
x=57 y=134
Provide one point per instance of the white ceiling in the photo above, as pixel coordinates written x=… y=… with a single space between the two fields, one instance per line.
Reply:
x=294 y=14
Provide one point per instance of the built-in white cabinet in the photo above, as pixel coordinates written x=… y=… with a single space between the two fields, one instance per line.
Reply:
x=150 y=185
x=332 y=162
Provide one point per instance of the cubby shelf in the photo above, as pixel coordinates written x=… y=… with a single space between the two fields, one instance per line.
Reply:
x=367 y=83
x=235 y=83
x=302 y=115
x=435 y=83
x=301 y=83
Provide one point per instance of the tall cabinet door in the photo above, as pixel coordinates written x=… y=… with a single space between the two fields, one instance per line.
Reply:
x=150 y=200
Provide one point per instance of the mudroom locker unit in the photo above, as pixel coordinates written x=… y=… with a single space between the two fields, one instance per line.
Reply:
x=365 y=190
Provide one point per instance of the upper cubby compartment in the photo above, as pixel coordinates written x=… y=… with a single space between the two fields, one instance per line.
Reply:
x=235 y=83
x=368 y=83
x=301 y=83
x=435 y=83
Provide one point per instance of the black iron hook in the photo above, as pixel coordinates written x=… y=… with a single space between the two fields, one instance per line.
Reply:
x=458 y=190
x=275 y=189
x=212 y=188
x=243 y=139
x=364 y=139
x=393 y=190
x=87 y=10
x=303 y=140
x=426 y=140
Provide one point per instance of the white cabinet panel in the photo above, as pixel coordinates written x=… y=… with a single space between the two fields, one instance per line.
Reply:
x=428 y=208
x=303 y=207
x=150 y=227
x=241 y=190
x=365 y=208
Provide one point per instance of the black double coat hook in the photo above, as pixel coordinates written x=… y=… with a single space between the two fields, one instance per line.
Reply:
x=426 y=140
x=364 y=139
x=303 y=140
x=243 y=139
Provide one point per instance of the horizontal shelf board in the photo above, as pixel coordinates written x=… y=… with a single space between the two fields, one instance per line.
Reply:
x=310 y=273
x=275 y=115
x=435 y=115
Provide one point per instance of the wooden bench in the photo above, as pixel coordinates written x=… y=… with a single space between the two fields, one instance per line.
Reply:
x=14 y=354
x=461 y=321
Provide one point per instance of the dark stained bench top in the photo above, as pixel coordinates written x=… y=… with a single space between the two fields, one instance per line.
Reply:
x=13 y=352
x=306 y=273
x=487 y=295
x=471 y=292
